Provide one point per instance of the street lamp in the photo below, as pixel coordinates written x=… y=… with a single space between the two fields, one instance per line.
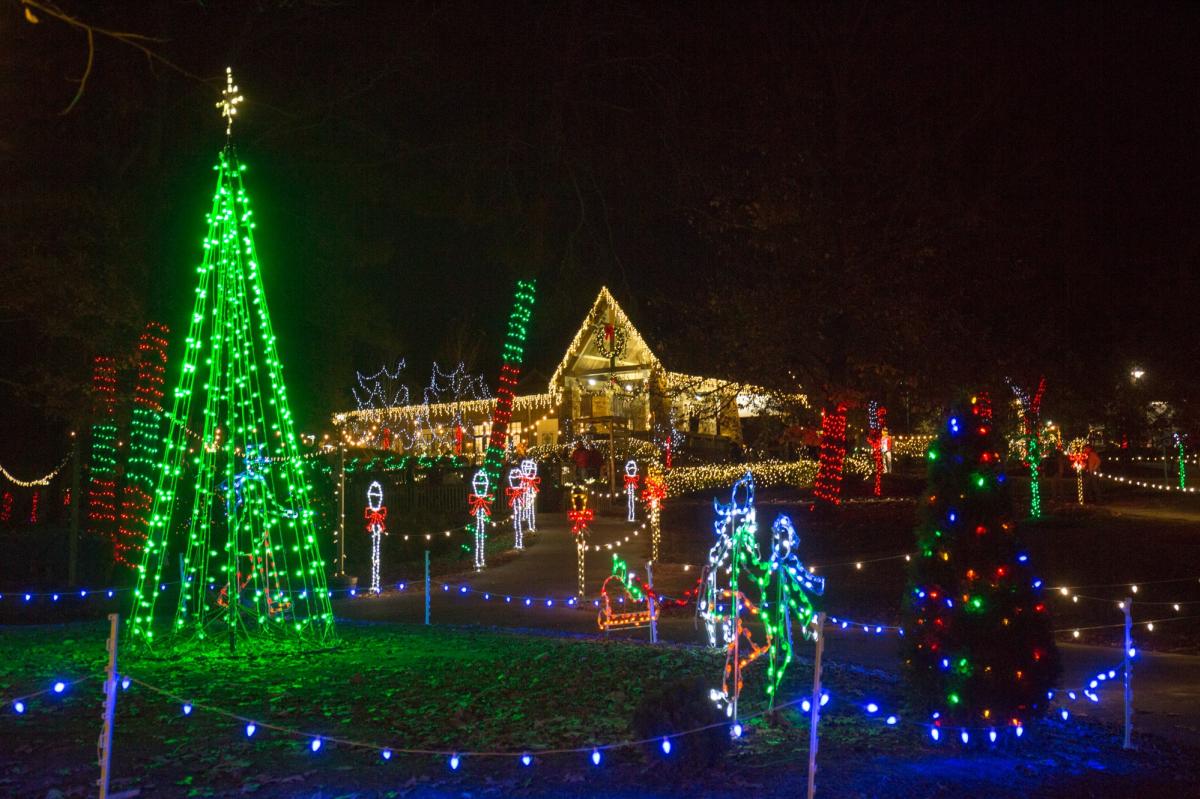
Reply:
x=1137 y=373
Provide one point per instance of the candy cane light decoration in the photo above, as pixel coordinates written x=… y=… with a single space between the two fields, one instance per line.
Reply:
x=1077 y=454
x=580 y=515
x=480 y=505
x=516 y=503
x=375 y=513
x=631 y=483
x=653 y=495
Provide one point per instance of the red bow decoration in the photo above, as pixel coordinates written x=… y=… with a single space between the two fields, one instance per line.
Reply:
x=608 y=333
x=478 y=503
x=631 y=480
x=579 y=519
x=655 y=490
x=514 y=494
x=531 y=483
x=374 y=517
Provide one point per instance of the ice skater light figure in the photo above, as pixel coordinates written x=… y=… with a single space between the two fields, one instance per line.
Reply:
x=480 y=504
x=738 y=583
x=791 y=586
x=531 y=481
x=516 y=503
x=375 y=513
x=631 y=484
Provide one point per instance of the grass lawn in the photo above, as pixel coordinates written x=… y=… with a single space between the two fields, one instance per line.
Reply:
x=480 y=689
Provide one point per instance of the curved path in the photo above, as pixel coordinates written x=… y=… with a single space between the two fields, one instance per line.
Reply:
x=1166 y=686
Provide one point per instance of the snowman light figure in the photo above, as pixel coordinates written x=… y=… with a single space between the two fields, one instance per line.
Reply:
x=480 y=505
x=631 y=483
x=516 y=503
x=531 y=481
x=375 y=513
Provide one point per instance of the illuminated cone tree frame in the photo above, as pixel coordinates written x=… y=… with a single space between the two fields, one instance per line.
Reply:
x=978 y=650
x=234 y=504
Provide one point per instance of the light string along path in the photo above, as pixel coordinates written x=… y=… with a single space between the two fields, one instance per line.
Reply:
x=594 y=752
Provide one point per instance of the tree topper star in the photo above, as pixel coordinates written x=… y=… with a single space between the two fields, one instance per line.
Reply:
x=230 y=99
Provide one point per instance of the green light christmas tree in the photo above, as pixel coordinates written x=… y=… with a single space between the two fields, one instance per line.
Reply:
x=232 y=502
x=978 y=651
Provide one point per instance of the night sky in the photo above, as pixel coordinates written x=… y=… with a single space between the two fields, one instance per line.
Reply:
x=891 y=198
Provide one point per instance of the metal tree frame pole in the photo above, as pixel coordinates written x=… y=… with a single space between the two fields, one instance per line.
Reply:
x=73 y=539
x=650 y=602
x=1128 y=608
x=815 y=710
x=110 y=705
x=341 y=569
x=427 y=587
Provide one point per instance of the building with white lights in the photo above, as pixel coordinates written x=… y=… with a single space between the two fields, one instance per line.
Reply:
x=609 y=385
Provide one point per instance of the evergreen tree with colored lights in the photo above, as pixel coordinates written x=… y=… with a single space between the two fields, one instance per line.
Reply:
x=232 y=501
x=978 y=648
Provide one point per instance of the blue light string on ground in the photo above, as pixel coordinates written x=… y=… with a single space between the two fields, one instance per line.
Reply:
x=594 y=752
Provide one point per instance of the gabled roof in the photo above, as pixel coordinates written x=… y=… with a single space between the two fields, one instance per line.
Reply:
x=584 y=345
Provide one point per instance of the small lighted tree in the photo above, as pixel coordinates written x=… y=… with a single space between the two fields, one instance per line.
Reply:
x=876 y=424
x=827 y=487
x=1029 y=407
x=978 y=648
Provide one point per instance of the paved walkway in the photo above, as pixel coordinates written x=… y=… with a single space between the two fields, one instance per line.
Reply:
x=1166 y=686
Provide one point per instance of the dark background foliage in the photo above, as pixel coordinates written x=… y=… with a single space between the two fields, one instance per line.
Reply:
x=897 y=200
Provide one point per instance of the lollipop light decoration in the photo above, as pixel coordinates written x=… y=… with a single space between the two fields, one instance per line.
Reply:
x=516 y=503
x=480 y=505
x=531 y=481
x=375 y=513
x=631 y=484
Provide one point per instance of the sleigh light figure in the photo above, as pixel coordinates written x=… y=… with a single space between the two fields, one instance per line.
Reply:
x=623 y=588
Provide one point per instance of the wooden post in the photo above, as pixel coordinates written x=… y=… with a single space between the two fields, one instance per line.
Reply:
x=73 y=539
x=650 y=602
x=427 y=591
x=815 y=710
x=110 y=705
x=341 y=564
x=1128 y=608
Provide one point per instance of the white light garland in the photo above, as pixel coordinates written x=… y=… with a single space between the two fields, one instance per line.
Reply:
x=40 y=481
